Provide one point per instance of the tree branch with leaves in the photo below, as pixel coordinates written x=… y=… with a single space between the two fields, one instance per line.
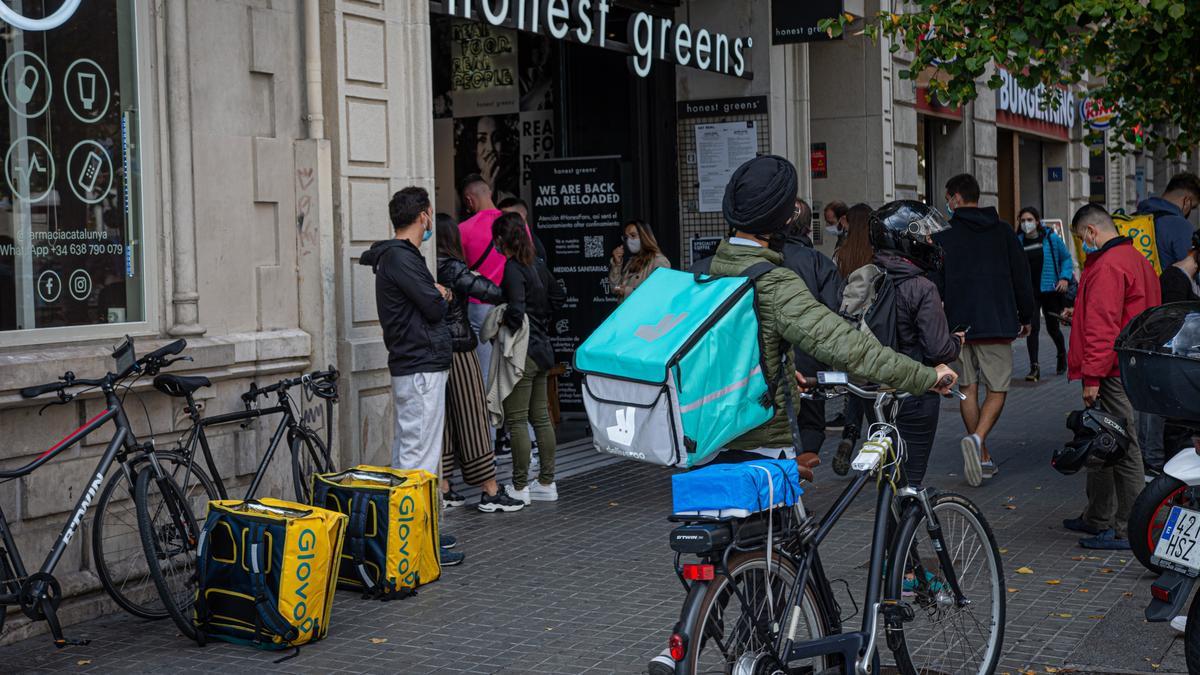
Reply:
x=1140 y=56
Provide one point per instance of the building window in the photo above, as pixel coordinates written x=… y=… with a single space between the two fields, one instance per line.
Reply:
x=70 y=226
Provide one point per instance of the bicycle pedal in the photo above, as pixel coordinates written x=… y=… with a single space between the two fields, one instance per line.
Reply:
x=68 y=642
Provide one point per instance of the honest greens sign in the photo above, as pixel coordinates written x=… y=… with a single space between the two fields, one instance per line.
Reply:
x=649 y=36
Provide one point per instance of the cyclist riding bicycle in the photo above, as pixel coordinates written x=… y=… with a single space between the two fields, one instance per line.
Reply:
x=758 y=205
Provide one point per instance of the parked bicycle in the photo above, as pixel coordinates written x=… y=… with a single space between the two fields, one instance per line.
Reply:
x=759 y=601
x=170 y=530
x=122 y=570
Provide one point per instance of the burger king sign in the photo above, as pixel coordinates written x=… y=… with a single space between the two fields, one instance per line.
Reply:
x=1096 y=113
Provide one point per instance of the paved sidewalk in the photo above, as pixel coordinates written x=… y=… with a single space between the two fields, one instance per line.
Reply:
x=586 y=584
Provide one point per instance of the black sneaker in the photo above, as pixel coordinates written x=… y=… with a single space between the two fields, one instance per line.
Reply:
x=499 y=502
x=452 y=499
x=841 y=459
x=451 y=558
x=447 y=541
x=502 y=444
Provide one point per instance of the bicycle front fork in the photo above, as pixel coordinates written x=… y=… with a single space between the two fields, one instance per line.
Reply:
x=934 y=527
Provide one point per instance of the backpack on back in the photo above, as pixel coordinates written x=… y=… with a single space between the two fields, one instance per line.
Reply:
x=869 y=303
x=1139 y=228
x=676 y=371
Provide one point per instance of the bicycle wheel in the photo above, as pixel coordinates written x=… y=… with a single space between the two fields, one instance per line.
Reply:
x=943 y=637
x=1149 y=515
x=309 y=456
x=117 y=545
x=169 y=535
x=726 y=629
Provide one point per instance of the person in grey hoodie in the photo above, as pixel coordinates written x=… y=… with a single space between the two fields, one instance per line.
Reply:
x=1172 y=230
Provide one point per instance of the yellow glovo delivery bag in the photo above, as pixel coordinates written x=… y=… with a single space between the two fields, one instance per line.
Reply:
x=267 y=571
x=391 y=544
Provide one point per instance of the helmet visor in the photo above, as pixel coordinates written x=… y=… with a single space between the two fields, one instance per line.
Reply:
x=928 y=224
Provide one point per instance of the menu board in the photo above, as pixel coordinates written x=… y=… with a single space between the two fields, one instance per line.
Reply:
x=720 y=149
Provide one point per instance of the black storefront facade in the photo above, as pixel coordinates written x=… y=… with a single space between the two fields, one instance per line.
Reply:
x=524 y=107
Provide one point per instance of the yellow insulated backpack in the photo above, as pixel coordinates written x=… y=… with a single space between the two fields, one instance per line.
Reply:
x=1140 y=228
x=266 y=571
x=391 y=544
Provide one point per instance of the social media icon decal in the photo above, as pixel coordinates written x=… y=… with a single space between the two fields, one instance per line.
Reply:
x=81 y=284
x=49 y=286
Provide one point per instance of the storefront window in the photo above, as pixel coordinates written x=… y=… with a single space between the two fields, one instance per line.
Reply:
x=70 y=233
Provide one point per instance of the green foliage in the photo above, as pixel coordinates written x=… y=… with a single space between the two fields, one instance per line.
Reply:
x=1143 y=55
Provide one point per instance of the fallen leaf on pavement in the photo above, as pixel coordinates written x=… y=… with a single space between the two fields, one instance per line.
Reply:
x=1062 y=615
x=83 y=662
x=1076 y=557
x=1084 y=590
x=1096 y=616
x=1051 y=669
x=1094 y=557
x=613 y=504
x=1004 y=550
x=378 y=641
x=1010 y=507
x=1053 y=582
x=1106 y=570
x=1128 y=594
x=593 y=487
x=1024 y=570
x=1014 y=590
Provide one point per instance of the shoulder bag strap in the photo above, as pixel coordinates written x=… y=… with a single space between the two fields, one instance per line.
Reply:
x=264 y=600
x=785 y=355
x=486 y=252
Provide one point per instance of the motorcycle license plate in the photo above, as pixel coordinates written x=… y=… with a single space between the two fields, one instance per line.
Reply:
x=1180 y=540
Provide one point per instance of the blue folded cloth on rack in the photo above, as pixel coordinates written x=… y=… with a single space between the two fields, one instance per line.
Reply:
x=749 y=486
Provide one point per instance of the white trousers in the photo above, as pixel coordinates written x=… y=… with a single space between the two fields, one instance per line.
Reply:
x=420 y=417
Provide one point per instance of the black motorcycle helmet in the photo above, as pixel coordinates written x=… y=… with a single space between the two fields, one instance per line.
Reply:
x=905 y=227
x=1100 y=438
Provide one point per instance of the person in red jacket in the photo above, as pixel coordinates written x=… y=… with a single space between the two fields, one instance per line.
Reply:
x=1118 y=284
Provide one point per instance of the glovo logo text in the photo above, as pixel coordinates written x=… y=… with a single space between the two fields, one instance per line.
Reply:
x=307 y=544
x=404 y=570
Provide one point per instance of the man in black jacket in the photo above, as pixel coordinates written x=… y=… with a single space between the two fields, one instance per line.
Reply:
x=412 y=310
x=821 y=276
x=987 y=292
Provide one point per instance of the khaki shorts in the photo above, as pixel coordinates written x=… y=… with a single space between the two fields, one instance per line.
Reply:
x=989 y=364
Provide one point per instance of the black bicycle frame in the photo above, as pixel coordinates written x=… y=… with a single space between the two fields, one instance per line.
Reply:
x=286 y=424
x=123 y=441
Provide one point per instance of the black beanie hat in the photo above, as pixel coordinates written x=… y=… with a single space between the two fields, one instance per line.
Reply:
x=761 y=195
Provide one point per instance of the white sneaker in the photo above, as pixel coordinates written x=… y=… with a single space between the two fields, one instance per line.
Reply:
x=662 y=664
x=1179 y=623
x=520 y=495
x=972 y=468
x=542 y=493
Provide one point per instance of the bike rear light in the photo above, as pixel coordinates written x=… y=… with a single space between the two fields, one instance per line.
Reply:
x=1161 y=594
x=678 y=647
x=697 y=572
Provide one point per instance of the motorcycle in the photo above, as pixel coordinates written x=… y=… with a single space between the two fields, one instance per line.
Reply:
x=1159 y=355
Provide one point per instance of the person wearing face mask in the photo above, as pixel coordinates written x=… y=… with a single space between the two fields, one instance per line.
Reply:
x=986 y=288
x=1051 y=272
x=1172 y=230
x=1117 y=285
x=835 y=221
x=412 y=311
x=635 y=259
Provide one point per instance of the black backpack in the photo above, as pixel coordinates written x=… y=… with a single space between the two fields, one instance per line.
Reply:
x=869 y=303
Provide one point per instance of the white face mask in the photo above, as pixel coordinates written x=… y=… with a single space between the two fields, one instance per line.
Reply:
x=634 y=245
x=833 y=230
x=1029 y=227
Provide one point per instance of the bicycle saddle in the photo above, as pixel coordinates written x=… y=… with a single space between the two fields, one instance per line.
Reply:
x=179 y=385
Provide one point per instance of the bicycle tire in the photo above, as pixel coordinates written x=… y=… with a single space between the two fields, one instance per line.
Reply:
x=720 y=589
x=1148 y=516
x=123 y=572
x=176 y=587
x=309 y=456
x=931 y=600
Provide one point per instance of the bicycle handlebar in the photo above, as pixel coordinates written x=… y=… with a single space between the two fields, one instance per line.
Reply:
x=315 y=378
x=152 y=362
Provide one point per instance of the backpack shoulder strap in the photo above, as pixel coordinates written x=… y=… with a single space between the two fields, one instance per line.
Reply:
x=264 y=599
x=756 y=270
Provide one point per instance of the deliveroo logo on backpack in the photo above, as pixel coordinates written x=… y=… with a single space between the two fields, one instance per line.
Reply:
x=665 y=325
x=622 y=432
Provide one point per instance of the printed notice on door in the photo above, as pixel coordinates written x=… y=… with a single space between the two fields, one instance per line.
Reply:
x=720 y=149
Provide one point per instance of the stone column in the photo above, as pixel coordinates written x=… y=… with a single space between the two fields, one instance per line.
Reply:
x=185 y=296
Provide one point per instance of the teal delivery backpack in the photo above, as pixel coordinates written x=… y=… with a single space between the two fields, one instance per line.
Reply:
x=676 y=371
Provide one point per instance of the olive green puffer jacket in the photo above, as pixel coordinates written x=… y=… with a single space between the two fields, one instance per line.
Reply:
x=790 y=315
